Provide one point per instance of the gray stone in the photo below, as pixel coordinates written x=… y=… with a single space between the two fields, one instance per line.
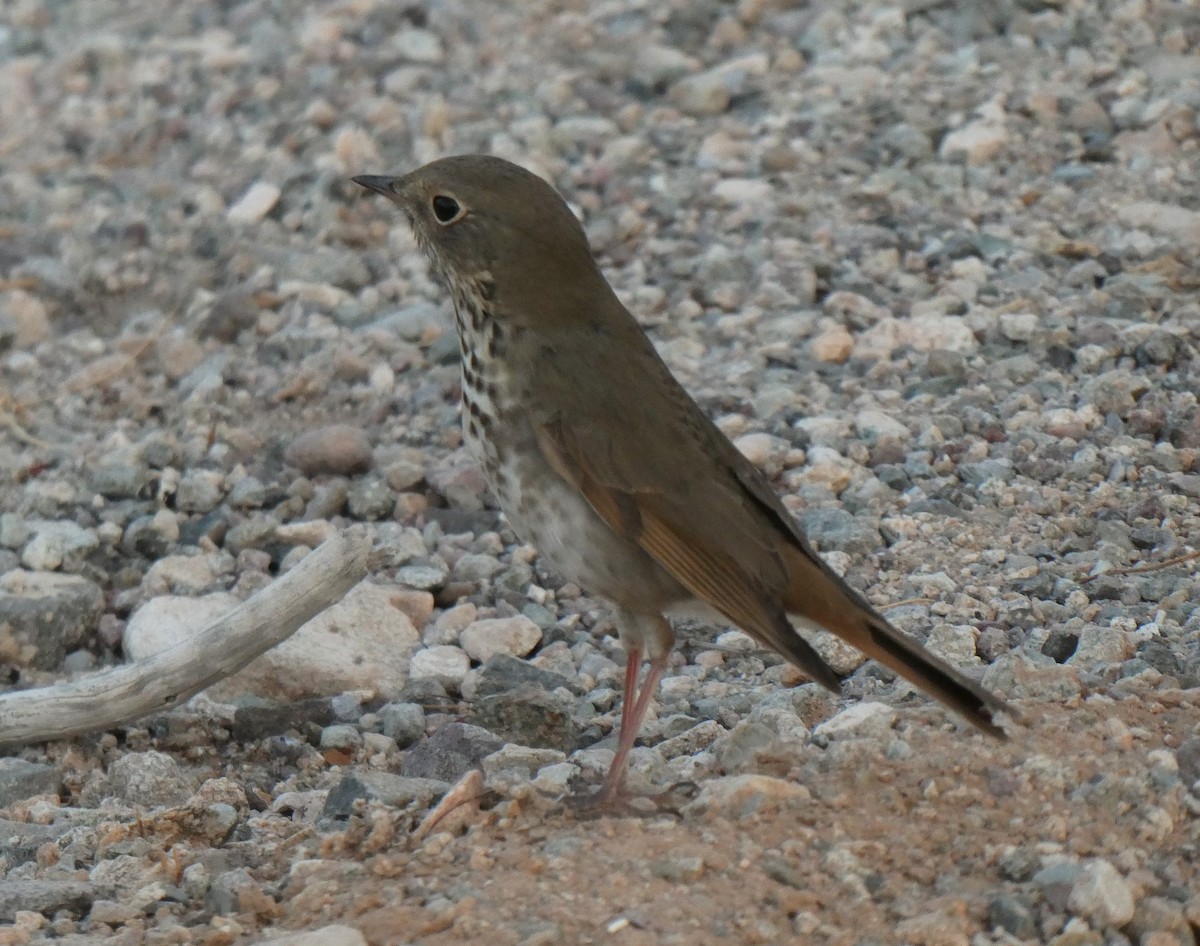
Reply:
x=835 y=529
x=57 y=543
x=46 y=614
x=450 y=752
x=119 y=480
x=19 y=840
x=529 y=717
x=1101 y=895
x=397 y=791
x=1055 y=883
x=504 y=673
x=151 y=779
x=1014 y=915
x=404 y=722
x=20 y=779
x=341 y=736
x=370 y=498
x=247 y=493
x=199 y=491
x=45 y=896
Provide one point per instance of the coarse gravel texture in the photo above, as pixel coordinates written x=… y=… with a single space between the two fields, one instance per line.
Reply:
x=933 y=266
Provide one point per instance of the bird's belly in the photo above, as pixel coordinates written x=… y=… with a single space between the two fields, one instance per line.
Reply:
x=552 y=515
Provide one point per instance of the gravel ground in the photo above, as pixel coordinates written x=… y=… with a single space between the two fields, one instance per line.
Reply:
x=933 y=266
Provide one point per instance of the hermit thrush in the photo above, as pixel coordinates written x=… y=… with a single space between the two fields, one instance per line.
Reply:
x=603 y=461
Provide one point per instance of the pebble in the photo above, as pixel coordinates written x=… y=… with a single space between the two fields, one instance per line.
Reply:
x=149 y=779
x=20 y=779
x=46 y=615
x=57 y=544
x=258 y=201
x=740 y=796
x=1102 y=895
x=515 y=636
x=445 y=663
x=339 y=449
x=47 y=897
x=403 y=722
x=325 y=936
x=859 y=721
x=450 y=752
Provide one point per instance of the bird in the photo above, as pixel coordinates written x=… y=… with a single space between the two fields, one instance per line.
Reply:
x=600 y=458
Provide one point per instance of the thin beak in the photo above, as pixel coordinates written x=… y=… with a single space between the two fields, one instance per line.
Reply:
x=379 y=183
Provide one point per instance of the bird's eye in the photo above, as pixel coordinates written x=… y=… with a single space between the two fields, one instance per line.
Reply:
x=446 y=209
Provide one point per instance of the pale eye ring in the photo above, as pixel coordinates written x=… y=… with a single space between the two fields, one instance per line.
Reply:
x=446 y=209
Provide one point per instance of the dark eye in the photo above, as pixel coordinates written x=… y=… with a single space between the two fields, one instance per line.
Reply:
x=445 y=208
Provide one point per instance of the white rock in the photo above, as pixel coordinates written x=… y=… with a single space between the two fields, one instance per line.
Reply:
x=418 y=45
x=739 y=190
x=1100 y=645
x=981 y=139
x=362 y=642
x=858 y=721
x=953 y=642
x=555 y=779
x=168 y=620
x=255 y=204
x=874 y=425
x=758 y=448
x=745 y=794
x=840 y=656
x=1169 y=220
x=516 y=636
x=189 y=574
x=925 y=333
x=1102 y=895
x=55 y=541
x=1018 y=326
x=445 y=663
x=325 y=936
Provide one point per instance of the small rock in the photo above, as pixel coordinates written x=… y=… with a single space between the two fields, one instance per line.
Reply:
x=504 y=673
x=444 y=663
x=199 y=491
x=873 y=426
x=20 y=780
x=528 y=717
x=978 y=141
x=43 y=615
x=1014 y=915
x=397 y=791
x=743 y=795
x=403 y=722
x=834 y=346
x=862 y=720
x=338 y=449
x=57 y=543
x=515 y=636
x=1100 y=894
x=47 y=897
x=450 y=752
x=151 y=779
x=325 y=936
x=341 y=736
x=255 y=204
x=1099 y=646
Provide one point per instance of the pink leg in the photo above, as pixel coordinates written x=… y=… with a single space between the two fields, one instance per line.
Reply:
x=633 y=663
x=631 y=722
